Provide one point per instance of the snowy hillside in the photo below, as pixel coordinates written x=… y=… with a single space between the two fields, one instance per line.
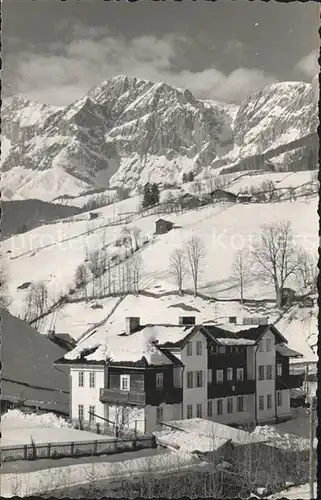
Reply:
x=127 y=131
x=52 y=253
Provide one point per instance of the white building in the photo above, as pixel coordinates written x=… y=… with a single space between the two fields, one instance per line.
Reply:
x=145 y=374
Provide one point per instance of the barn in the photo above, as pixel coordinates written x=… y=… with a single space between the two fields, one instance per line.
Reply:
x=223 y=196
x=163 y=226
x=189 y=201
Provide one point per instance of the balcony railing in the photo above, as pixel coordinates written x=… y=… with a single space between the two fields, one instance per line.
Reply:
x=227 y=389
x=118 y=397
x=289 y=381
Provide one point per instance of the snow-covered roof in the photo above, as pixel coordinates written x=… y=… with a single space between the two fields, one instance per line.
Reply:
x=235 y=341
x=118 y=347
x=284 y=350
x=189 y=441
x=214 y=430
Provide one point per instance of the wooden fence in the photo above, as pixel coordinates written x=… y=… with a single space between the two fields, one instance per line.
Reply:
x=74 y=448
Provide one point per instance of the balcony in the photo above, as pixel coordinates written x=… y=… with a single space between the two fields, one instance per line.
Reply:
x=289 y=382
x=118 y=397
x=168 y=396
x=227 y=389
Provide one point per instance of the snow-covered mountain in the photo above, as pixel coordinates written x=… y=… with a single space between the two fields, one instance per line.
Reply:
x=127 y=131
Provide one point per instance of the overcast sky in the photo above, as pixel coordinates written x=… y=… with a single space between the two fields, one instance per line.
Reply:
x=56 y=51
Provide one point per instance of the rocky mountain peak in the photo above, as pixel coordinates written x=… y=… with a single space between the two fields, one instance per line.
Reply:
x=127 y=131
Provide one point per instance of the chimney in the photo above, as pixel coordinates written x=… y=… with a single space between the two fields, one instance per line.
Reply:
x=132 y=323
x=186 y=320
x=232 y=319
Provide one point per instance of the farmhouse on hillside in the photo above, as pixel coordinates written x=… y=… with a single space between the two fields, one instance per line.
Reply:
x=223 y=196
x=163 y=226
x=143 y=375
x=189 y=201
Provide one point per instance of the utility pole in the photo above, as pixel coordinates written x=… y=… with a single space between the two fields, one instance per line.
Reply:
x=311 y=457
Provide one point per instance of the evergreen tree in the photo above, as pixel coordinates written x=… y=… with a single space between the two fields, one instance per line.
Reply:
x=155 y=194
x=150 y=195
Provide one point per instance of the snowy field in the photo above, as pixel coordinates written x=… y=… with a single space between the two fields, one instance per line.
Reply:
x=280 y=179
x=300 y=327
x=17 y=429
x=222 y=229
x=158 y=310
x=296 y=492
x=75 y=318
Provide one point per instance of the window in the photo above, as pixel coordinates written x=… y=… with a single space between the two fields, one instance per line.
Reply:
x=209 y=376
x=210 y=408
x=221 y=349
x=159 y=414
x=261 y=372
x=279 y=369
x=261 y=346
x=213 y=348
x=199 y=347
x=124 y=382
x=229 y=405
x=239 y=374
x=220 y=407
x=269 y=372
x=199 y=379
x=91 y=413
x=81 y=379
x=219 y=376
x=199 y=411
x=261 y=403
x=190 y=380
x=240 y=403
x=92 y=379
x=269 y=401
x=159 y=381
x=228 y=349
x=269 y=344
x=279 y=398
x=81 y=412
x=189 y=411
x=189 y=349
x=230 y=374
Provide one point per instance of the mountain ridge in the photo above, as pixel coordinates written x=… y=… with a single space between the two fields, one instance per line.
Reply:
x=126 y=132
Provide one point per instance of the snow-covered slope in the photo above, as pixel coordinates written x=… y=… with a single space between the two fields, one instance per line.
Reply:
x=53 y=252
x=127 y=131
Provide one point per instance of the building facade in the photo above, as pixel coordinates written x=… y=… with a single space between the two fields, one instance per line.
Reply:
x=194 y=371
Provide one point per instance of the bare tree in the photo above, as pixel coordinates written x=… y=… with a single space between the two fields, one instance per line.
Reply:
x=81 y=277
x=241 y=270
x=277 y=256
x=36 y=302
x=137 y=271
x=96 y=265
x=135 y=235
x=195 y=251
x=307 y=269
x=269 y=188
x=5 y=299
x=127 y=238
x=177 y=267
